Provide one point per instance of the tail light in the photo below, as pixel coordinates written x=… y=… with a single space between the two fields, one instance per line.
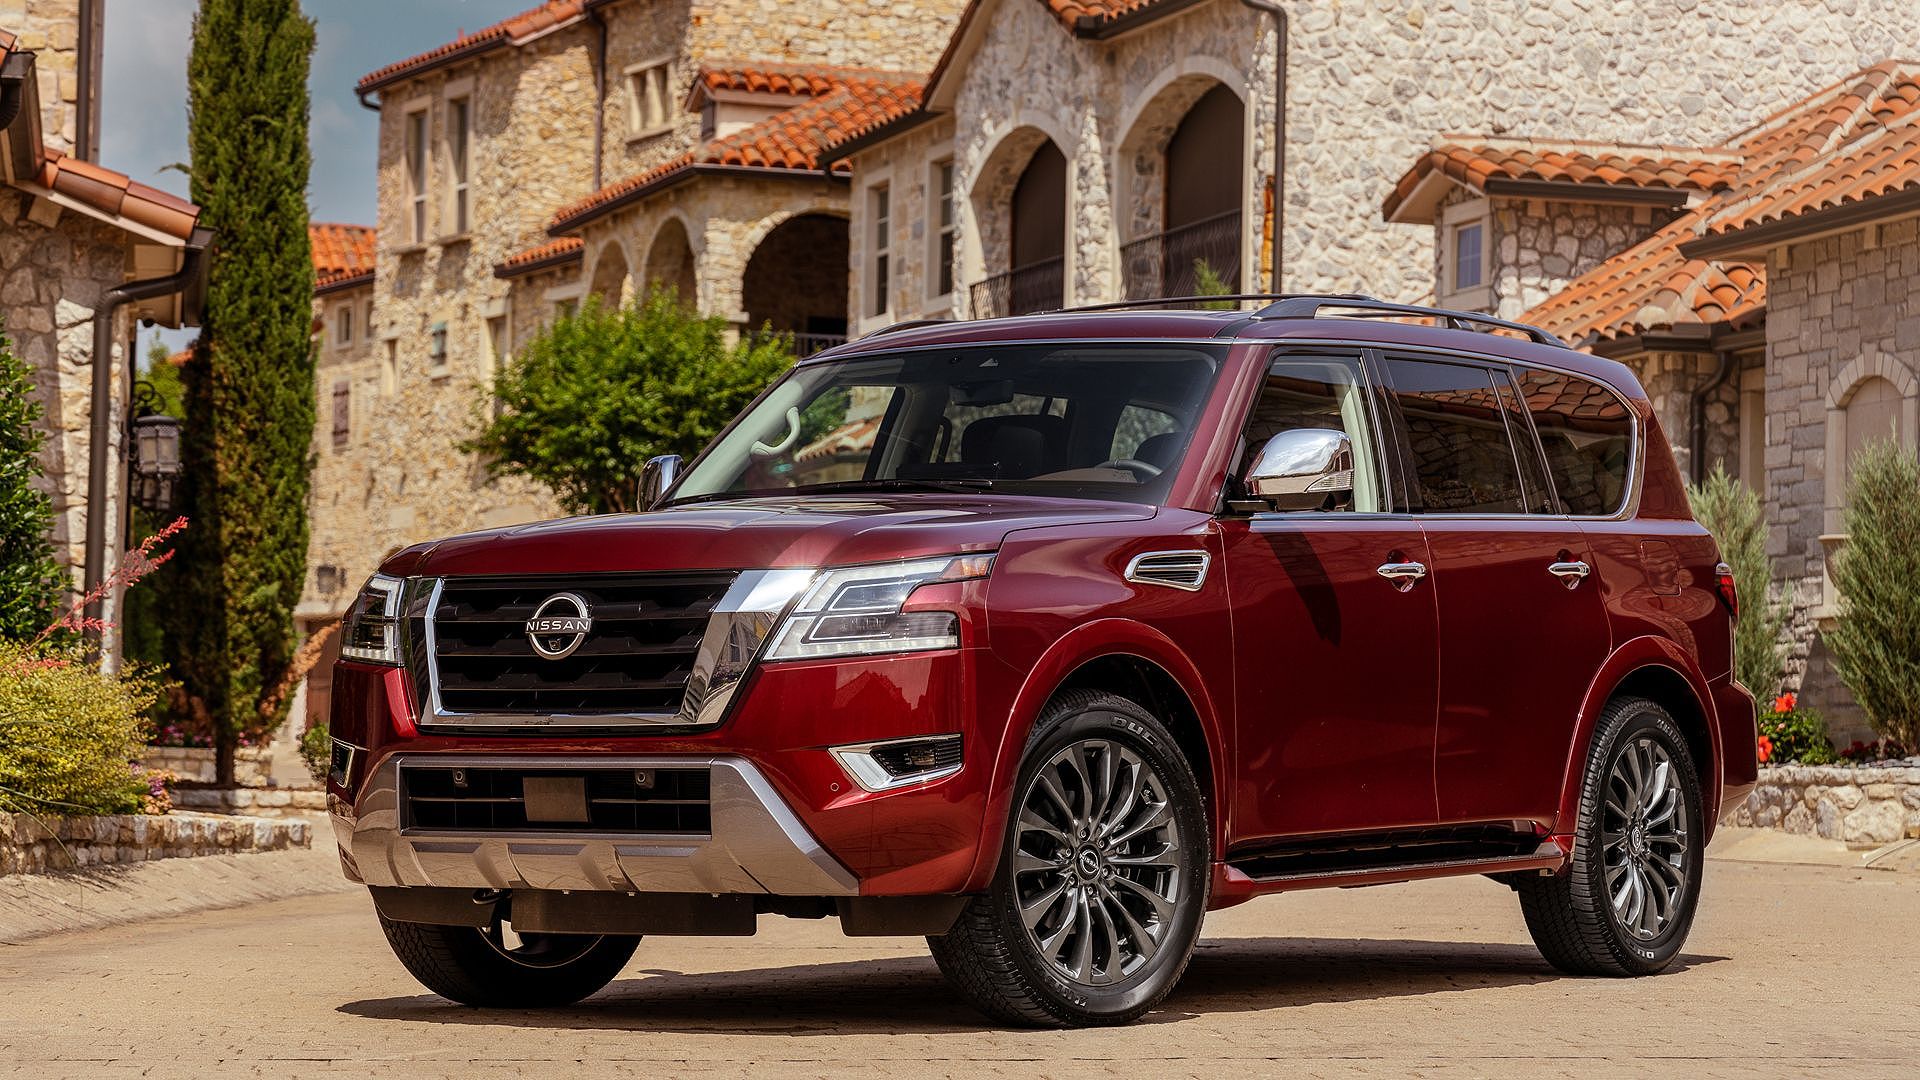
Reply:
x=1730 y=596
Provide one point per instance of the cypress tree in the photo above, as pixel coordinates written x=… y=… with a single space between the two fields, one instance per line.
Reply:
x=30 y=580
x=249 y=383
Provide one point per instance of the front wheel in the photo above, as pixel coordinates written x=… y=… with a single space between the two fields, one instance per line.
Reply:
x=1103 y=876
x=493 y=967
x=1625 y=904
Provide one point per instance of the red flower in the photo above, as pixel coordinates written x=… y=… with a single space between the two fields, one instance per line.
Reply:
x=1783 y=703
x=1766 y=749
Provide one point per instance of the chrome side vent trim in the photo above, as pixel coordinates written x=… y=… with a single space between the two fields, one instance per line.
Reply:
x=1184 y=570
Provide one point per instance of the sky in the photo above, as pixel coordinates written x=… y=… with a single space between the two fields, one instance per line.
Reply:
x=143 y=121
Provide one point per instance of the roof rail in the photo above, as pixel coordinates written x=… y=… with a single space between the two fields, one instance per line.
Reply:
x=1308 y=307
x=1161 y=301
x=904 y=324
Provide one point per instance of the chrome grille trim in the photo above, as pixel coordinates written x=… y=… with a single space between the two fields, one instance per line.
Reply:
x=1183 y=570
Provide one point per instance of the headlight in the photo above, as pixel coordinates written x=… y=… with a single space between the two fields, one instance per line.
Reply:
x=371 y=630
x=856 y=611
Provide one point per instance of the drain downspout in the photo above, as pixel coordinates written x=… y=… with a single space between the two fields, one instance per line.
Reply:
x=99 y=450
x=599 y=22
x=1697 y=418
x=87 y=98
x=1279 y=133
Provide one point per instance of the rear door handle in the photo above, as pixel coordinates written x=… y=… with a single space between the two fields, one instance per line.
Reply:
x=1404 y=575
x=1572 y=572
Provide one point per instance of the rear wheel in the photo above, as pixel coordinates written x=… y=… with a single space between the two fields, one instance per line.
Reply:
x=493 y=967
x=1103 y=877
x=1625 y=904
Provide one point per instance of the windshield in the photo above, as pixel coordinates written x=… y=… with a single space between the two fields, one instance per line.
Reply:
x=1107 y=421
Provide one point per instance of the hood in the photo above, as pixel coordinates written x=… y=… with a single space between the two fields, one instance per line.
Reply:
x=754 y=533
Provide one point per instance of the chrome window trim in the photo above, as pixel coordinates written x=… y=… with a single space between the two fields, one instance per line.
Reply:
x=1133 y=572
x=737 y=631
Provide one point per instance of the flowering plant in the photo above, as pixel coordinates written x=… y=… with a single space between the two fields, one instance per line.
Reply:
x=1790 y=733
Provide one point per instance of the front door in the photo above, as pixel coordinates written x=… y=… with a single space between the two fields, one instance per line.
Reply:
x=1335 y=664
x=1521 y=626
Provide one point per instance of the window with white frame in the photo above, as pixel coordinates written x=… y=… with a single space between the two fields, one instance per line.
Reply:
x=1465 y=256
x=649 y=104
x=940 y=188
x=880 y=211
x=497 y=357
x=437 y=349
x=416 y=175
x=459 y=162
x=343 y=325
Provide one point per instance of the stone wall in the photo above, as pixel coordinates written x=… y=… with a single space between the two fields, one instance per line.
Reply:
x=50 y=29
x=1839 y=310
x=1858 y=806
x=252 y=765
x=1540 y=246
x=54 y=265
x=256 y=802
x=29 y=845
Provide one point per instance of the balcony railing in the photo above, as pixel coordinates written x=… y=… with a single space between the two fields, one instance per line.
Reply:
x=804 y=345
x=1168 y=263
x=1038 y=286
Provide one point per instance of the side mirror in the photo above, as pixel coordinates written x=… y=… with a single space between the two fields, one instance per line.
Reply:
x=1302 y=469
x=656 y=478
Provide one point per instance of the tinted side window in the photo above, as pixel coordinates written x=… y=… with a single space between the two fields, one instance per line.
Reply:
x=1588 y=438
x=1458 y=447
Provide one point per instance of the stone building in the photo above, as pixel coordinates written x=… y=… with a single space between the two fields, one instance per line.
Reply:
x=1764 y=286
x=1070 y=151
x=582 y=147
x=71 y=231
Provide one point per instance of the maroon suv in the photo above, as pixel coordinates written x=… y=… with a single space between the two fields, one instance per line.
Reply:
x=1041 y=637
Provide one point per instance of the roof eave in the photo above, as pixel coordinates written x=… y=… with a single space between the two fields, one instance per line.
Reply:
x=575 y=222
x=1756 y=240
x=508 y=273
x=1589 y=192
x=342 y=283
x=1102 y=28
x=879 y=133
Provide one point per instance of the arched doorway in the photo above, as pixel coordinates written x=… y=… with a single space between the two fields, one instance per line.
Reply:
x=1022 y=205
x=1189 y=235
x=670 y=262
x=611 y=281
x=796 y=282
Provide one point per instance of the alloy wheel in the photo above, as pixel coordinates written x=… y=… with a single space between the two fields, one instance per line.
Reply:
x=1644 y=839
x=1097 y=861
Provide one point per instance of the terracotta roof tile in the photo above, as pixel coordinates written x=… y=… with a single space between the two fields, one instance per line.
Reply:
x=790 y=140
x=513 y=30
x=116 y=195
x=1072 y=12
x=1652 y=286
x=1474 y=160
x=340 y=252
x=552 y=253
x=769 y=77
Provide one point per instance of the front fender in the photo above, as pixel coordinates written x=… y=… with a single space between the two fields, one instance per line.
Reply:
x=1079 y=646
x=1633 y=655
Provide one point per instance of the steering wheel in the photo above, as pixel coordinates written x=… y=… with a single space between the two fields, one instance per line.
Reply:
x=1142 y=469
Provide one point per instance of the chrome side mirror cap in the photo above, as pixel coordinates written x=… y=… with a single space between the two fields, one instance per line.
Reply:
x=657 y=478
x=1302 y=469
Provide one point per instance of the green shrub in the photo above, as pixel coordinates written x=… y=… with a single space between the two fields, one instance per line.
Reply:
x=1789 y=733
x=316 y=749
x=1208 y=282
x=69 y=736
x=31 y=582
x=1732 y=514
x=588 y=401
x=1876 y=639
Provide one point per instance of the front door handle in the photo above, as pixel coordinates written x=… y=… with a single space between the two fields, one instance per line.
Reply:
x=1404 y=575
x=1572 y=572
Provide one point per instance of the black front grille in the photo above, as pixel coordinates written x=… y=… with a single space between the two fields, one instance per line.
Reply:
x=636 y=659
x=675 y=801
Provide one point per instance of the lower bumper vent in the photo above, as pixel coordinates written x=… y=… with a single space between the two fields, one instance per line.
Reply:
x=479 y=799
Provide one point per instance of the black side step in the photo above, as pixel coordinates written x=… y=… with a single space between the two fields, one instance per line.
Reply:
x=1363 y=853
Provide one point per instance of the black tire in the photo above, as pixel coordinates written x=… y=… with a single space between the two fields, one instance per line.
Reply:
x=991 y=959
x=470 y=966
x=1572 y=916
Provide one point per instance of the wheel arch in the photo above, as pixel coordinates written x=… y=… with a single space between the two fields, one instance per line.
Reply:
x=1135 y=661
x=1660 y=671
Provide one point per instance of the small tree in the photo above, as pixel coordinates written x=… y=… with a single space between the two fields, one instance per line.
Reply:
x=585 y=404
x=1731 y=513
x=31 y=583
x=1876 y=639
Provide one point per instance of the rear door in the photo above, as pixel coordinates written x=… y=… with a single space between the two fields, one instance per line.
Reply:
x=1335 y=665
x=1521 y=623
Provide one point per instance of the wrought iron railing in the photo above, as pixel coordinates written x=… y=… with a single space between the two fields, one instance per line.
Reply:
x=804 y=345
x=1169 y=263
x=1035 y=287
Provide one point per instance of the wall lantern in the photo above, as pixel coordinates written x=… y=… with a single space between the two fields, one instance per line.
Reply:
x=155 y=447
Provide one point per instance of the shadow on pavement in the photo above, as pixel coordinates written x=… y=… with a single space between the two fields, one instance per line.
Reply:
x=905 y=995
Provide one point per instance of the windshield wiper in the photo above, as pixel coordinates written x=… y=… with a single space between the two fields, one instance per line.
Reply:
x=958 y=484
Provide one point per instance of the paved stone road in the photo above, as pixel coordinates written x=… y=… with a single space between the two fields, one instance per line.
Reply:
x=1792 y=970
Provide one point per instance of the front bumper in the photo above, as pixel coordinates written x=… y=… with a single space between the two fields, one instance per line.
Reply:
x=756 y=844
